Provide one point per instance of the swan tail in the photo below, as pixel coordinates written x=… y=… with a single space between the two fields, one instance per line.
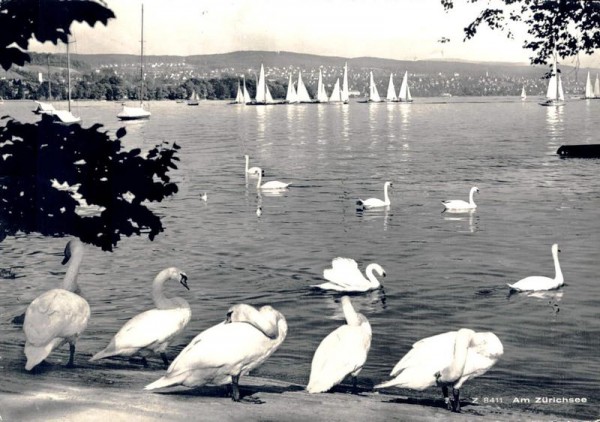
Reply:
x=513 y=288
x=390 y=383
x=101 y=355
x=314 y=387
x=36 y=354
x=360 y=203
x=167 y=381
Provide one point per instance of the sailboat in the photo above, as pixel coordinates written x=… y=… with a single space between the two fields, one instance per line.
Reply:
x=404 y=94
x=194 y=99
x=597 y=87
x=345 y=94
x=65 y=117
x=373 y=94
x=263 y=94
x=523 y=94
x=303 y=96
x=391 y=91
x=46 y=107
x=336 y=94
x=239 y=97
x=137 y=113
x=555 y=94
x=321 y=93
x=291 y=96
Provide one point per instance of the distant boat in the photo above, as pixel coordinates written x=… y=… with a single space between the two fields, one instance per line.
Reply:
x=336 y=94
x=247 y=99
x=597 y=87
x=239 y=97
x=65 y=117
x=44 y=108
x=589 y=89
x=303 y=96
x=263 y=94
x=373 y=93
x=523 y=94
x=137 y=113
x=555 y=95
x=291 y=96
x=321 y=93
x=345 y=94
x=194 y=99
x=404 y=94
x=391 y=91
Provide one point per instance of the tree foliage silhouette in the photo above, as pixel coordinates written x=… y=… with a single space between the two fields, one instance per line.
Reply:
x=570 y=26
x=51 y=175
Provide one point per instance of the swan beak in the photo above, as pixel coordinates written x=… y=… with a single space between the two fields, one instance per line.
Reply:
x=65 y=260
x=383 y=274
x=183 y=281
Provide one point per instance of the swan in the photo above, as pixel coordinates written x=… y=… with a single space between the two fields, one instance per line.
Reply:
x=459 y=204
x=344 y=351
x=446 y=360
x=57 y=316
x=375 y=202
x=258 y=211
x=271 y=185
x=222 y=353
x=252 y=171
x=204 y=196
x=538 y=283
x=152 y=330
x=344 y=276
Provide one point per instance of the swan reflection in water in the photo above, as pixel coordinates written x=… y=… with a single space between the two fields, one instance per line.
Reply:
x=371 y=302
x=553 y=297
x=467 y=216
x=375 y=214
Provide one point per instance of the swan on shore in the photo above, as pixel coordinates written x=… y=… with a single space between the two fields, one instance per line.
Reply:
x=271 y=185
x=222 y=353
x=252 y=171
x=57 y=316
x=446 y=360
x=376 y=202
x=459 y=204
x=152 y=330
x=343 y=352
x=538 y=283
x=344 y=276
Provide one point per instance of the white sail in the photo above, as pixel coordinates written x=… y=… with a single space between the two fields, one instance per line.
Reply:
x=523 y=94
x=336 y=94
x=194 y=98
x=589 y=89
x=561 y=93
x=391 y=91
x=597 y=87
x=345 y=94
x=247 y=99
x=321 y=93
x=303 y=96
x=404 y=94
x=261 y=94
x=555 y=94
x=239 y=97
x=373 y=94
x=291 y=97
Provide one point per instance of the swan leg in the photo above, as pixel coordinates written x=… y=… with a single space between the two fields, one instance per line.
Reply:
x=235 y=391
x=165 y=359
x=446 y=399
x=354 y=385
x=456 y=404
x=71 y=362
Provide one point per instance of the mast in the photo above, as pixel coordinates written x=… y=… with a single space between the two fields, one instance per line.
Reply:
x=68 y=75
x=142 y=61
x=49 y=82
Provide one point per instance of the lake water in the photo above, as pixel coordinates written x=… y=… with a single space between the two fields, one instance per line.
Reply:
x=444 y=271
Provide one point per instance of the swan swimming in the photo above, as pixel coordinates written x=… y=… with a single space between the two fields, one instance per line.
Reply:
x=222 y=353
x=459 y=204
x=376 y=202
x=271 y=185
x=57 y=316
x=252 y=171
x=344 y=351
x=152 y=330
x=538 y=283
x=344 y=276
x=446 y=360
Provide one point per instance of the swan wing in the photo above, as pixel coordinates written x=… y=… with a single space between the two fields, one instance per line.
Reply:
x=484 y=351
x=373 y=203
x=456 y=204
x=274 y=184
x=534 y=283
x=344 y=272
x=54 y=314
x=342 y=352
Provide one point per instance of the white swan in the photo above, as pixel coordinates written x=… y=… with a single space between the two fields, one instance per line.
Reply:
x=344 y=276
x=57 y=316
x=538 y=283
x=375 y=202
x=446 y=360
x=224 y=352
x=344 y=351
x=152 y=330
x=204 y=196
x=271 y=185
x=459 y=204
x=252 y=171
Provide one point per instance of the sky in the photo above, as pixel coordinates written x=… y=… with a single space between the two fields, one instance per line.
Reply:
x=395 y=29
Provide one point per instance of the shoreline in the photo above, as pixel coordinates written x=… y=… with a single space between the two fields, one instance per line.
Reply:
x=113 y=393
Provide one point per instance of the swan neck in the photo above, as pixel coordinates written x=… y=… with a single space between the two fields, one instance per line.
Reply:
x=459 y=358
x=471 y=200
x=158 y=295
x=70 y=280
x=372 y=279
x=558 y=272
x=268 y=321
x=259 y=180
x=247 y=162
x=386 y=196
x=350 y=314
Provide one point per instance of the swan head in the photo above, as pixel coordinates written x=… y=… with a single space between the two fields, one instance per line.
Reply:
x=555 y=249
x=474 y=189
x=388 y=184
x=377 y=268
x=72 y=246
x=183 y=280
